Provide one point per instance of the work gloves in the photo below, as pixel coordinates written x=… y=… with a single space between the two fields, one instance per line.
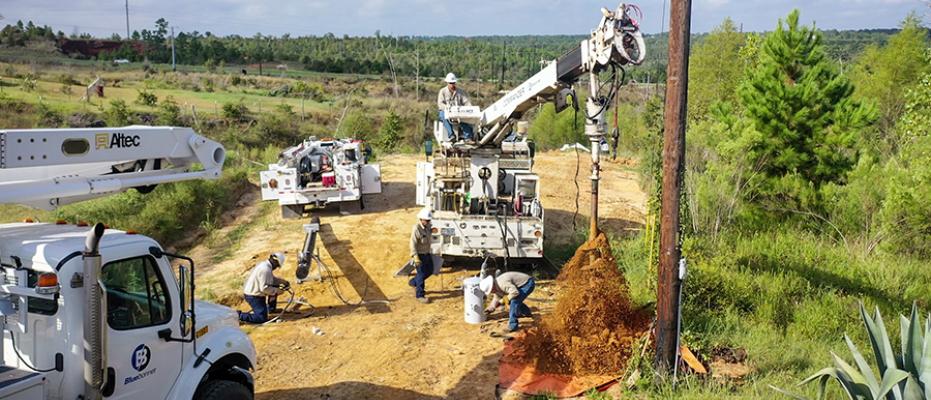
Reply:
x=415 y=260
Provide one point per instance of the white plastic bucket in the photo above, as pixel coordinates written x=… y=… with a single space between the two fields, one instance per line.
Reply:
x=474 y=299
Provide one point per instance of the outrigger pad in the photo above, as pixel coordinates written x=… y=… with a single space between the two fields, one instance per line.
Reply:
x=406 y=269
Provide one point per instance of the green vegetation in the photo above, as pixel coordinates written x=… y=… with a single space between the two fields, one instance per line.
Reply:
x=798 y=202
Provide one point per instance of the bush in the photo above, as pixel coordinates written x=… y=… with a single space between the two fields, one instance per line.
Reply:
x=169 y=113
x=235 y=111
x=146 y=98
x=48 y=117
x=389 y=134
x=118 y=114
x=357 y=124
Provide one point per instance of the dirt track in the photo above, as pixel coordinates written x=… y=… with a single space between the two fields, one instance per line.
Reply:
x=402 y=349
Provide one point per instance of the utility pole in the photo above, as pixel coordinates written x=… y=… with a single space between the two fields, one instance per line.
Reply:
x=669 y=283
x=173 y=66
x=127 y=20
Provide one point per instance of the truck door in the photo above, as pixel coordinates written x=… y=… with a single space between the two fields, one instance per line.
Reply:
x=141 y=299
x=371 y=178
x=424 y=175
x=269 y=182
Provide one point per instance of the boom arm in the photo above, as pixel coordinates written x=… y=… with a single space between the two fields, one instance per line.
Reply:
x=616 y=41
x=46 y=168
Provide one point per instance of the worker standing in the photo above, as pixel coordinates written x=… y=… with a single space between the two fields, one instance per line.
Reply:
x=514 y=287
x=262 y=288
x=421 y=254
x=450 y=96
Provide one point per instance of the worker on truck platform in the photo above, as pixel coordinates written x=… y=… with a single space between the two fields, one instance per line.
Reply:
x=262 y=288
x=421 y=254
x=514 y=287
x=450 y=96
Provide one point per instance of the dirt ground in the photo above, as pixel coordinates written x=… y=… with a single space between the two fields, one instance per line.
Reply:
x=392 y=347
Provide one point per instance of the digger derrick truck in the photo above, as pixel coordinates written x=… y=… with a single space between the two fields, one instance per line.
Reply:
x=484 y=195
x=88 y=313
x=320 y=172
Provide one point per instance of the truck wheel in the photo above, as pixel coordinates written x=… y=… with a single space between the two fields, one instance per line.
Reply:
x=292 y=211
x=223 y=390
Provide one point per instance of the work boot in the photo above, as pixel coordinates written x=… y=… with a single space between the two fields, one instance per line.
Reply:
x=423 y=300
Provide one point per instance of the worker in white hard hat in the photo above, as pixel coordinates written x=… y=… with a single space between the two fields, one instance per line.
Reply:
x=450 y=96
x=513 y=287
x=262 y=289
x=421 y=254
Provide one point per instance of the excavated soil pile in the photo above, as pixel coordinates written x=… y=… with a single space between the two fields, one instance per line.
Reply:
x=593 y=327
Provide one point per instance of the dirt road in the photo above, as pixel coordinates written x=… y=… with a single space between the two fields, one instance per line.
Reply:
x=392 y=347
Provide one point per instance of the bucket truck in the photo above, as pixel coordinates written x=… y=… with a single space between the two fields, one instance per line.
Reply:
x=484 y=195
x=92 y=312
x=320 y=172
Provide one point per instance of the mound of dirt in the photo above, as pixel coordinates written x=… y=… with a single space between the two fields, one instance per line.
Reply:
x=593 y=328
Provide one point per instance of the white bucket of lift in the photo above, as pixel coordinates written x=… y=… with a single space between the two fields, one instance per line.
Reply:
x=474 y=301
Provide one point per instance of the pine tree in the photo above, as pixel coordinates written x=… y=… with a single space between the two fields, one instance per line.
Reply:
x=806 y=119
x=389 y=135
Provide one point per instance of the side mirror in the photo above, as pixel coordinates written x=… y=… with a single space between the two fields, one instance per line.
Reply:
x=186 y=307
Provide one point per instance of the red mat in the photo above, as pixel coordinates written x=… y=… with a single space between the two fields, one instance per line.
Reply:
x=522 y=377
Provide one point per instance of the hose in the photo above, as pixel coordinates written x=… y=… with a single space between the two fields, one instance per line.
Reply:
x=15 y=350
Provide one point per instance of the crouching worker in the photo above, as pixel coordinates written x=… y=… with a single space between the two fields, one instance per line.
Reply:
x=513 y=287
x=262 y=288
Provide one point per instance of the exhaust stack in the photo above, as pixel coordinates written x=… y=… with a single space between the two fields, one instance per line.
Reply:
x=93 y=316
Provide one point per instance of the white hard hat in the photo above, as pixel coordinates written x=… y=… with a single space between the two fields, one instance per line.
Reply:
x=450 y=78
x=486 y=284
x=279 y=256
x=426 y=214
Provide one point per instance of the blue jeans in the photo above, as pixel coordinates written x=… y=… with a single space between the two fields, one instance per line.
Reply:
x=518 y=308
x=260 y=307
x=466 y=128
x=424 y=270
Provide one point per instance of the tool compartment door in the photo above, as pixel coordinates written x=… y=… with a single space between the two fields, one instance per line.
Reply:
x=268 y=193
x=371 y=178
x=424 y=178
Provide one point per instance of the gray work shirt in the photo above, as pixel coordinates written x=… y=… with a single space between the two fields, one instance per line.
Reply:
x=448 y=99
x=420 y=239
x=508 y=283
x=262 y=282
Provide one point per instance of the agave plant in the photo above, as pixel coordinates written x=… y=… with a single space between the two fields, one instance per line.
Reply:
x=904 y=376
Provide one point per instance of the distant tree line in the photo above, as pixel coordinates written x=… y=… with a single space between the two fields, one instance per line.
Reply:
x=510 y=58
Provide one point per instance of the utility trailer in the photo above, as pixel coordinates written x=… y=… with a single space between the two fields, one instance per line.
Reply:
x=318 y=173
x=91 y=312
x=484 y=195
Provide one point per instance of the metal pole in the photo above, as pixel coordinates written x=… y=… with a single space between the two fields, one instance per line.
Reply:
x=595 y=130
x=127 y=20
x=173 y=67
x=669 y=283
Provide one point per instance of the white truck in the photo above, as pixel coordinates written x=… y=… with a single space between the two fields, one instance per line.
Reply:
x=484 y=195
x=320 y=172
x=91 y=313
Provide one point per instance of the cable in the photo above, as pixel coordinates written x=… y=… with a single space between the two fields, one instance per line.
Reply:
x=15 y=350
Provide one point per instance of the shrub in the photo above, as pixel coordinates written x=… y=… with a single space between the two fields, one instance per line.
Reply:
x=118 y=114
x=48 y=117
x=235 y=111
x=389 y=134
x=169 y=113
x=146 y=98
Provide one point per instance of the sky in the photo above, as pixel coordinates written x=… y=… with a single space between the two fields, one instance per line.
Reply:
x=436 y=17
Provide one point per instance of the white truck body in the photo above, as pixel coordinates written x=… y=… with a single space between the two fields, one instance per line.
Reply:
x=141 y=364
x=92 y=313
x=320 y=172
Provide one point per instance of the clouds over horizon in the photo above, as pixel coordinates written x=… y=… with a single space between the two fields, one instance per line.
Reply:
x=436 y=17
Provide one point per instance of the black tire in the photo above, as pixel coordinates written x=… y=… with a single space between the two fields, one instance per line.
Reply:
x=223 y=390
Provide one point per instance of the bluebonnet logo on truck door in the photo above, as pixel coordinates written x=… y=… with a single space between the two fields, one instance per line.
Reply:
x=140 y=360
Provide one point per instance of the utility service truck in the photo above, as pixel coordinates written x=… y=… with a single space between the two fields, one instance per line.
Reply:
x=485 y=197
x=320 y=172
x=92 y=312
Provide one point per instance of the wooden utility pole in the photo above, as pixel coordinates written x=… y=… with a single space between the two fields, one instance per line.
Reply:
x=669 y=283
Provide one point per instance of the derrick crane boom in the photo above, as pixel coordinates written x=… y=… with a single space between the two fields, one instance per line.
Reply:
x=46 y=168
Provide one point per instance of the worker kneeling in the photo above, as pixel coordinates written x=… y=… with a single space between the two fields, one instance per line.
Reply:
x=262 y=288
x=514 y=287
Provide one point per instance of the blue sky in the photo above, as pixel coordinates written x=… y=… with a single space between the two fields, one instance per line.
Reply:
x=436 y=17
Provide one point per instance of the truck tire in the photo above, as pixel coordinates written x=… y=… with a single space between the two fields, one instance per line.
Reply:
x=224 y=390
x=292 y=211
